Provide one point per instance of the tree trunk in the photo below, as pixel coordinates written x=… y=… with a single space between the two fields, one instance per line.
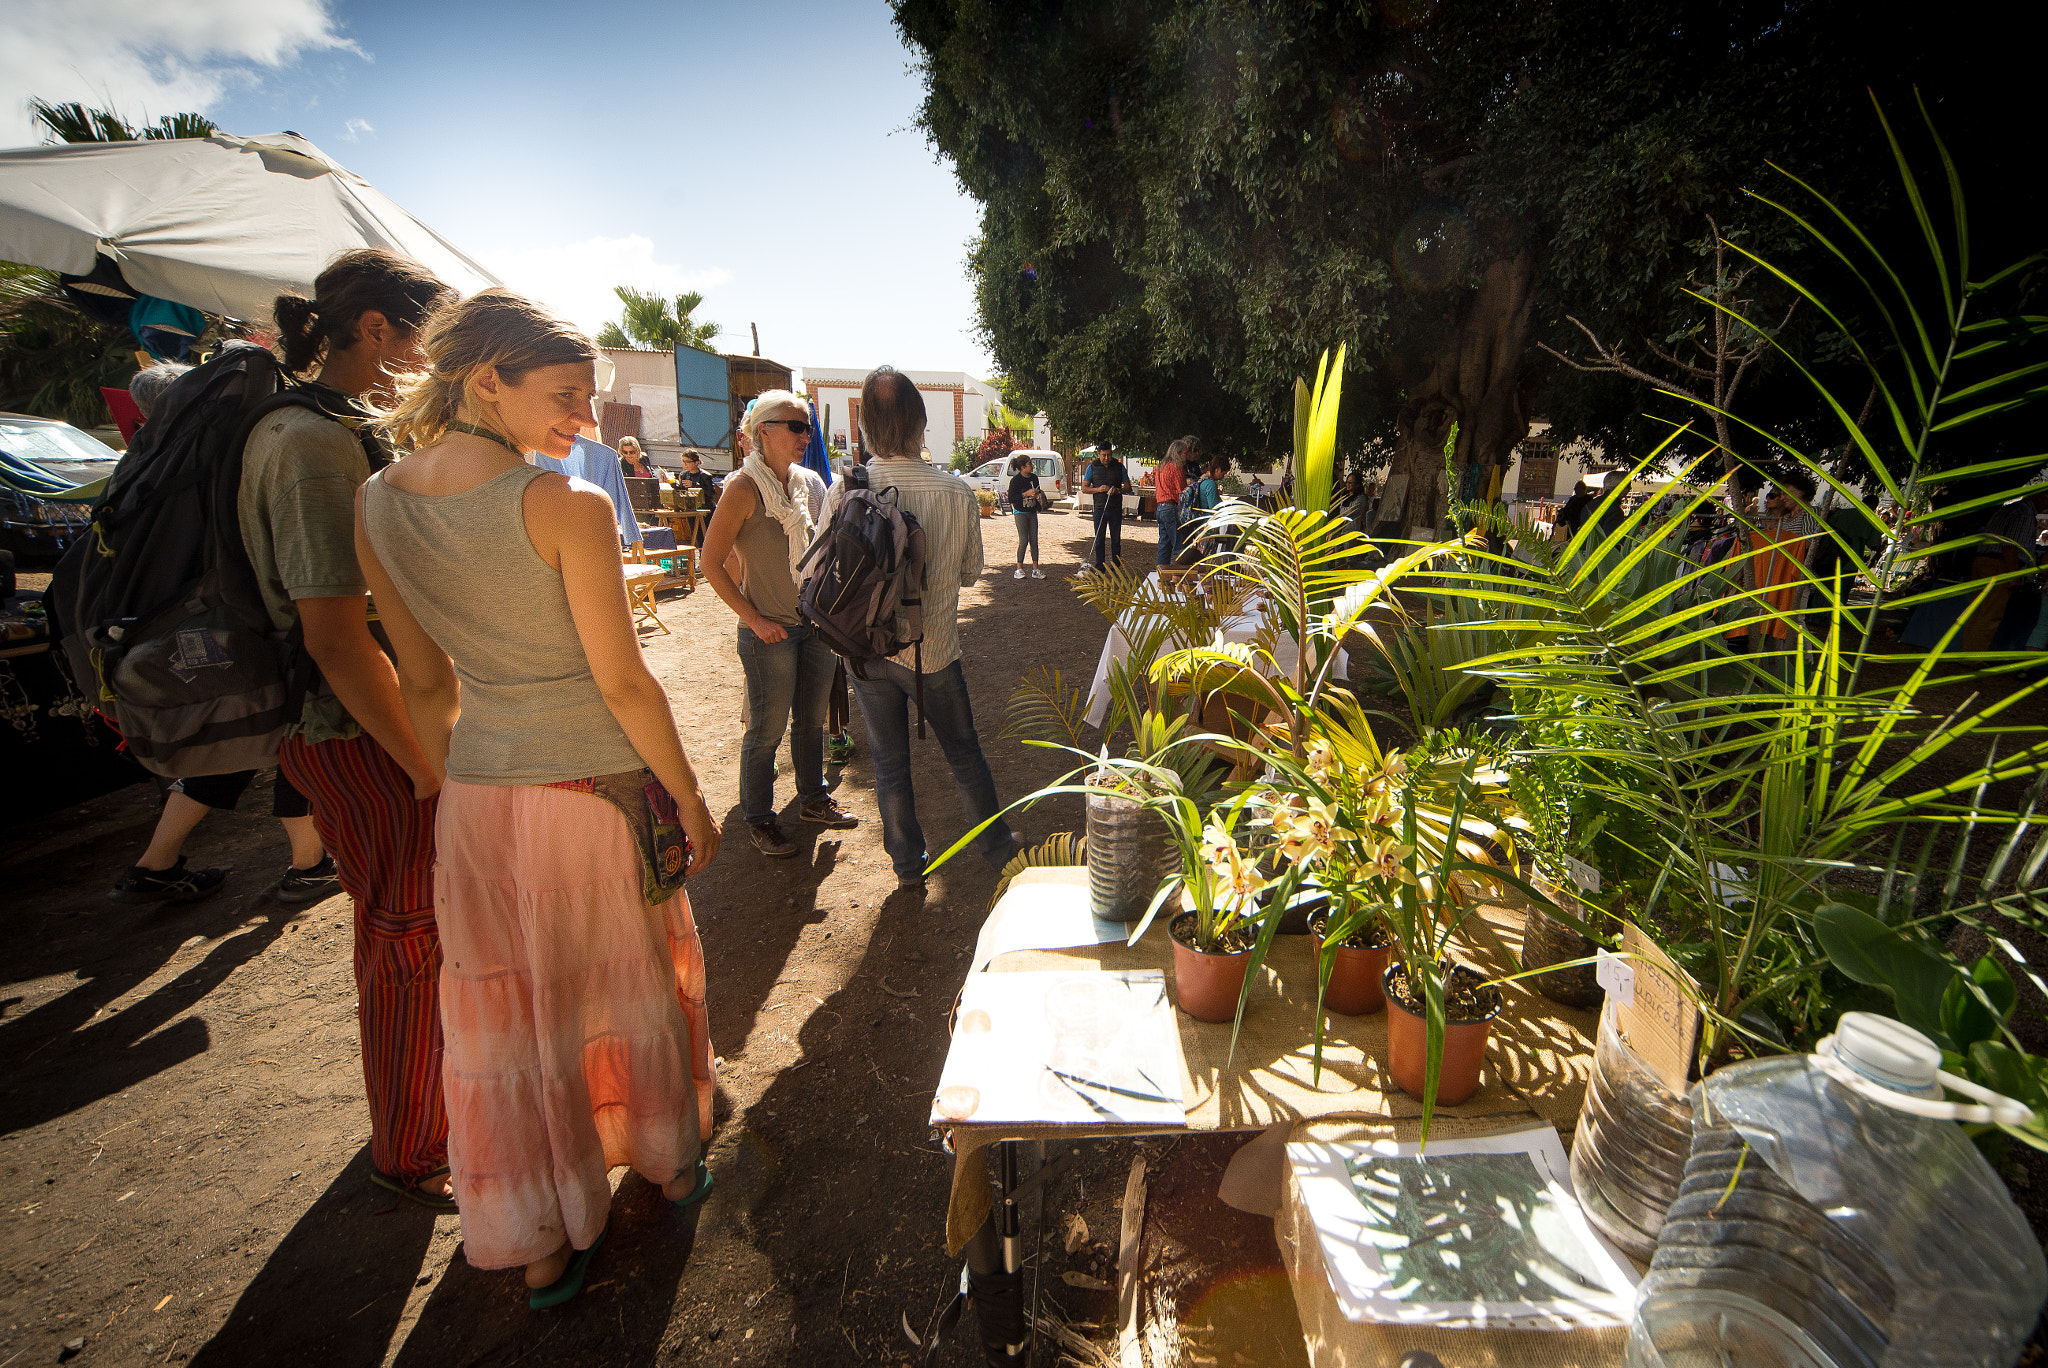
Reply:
x=1474 y=384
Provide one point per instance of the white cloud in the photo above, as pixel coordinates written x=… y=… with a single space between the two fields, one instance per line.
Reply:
x=576 y=279
x=355 y=128
x=148 y=57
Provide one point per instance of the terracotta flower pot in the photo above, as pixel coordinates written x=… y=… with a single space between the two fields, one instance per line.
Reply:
x=1408 y=1047
x=1354 y=987
x=1206 y=986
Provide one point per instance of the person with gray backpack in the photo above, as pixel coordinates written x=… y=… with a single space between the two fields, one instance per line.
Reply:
x=896 y=621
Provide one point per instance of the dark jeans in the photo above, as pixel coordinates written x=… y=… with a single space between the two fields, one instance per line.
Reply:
x=789 y=684
x=1109 y=519
x=1169 y=533
x=885 y=703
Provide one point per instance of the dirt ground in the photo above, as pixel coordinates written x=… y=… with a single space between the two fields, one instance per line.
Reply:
x=184 y=1174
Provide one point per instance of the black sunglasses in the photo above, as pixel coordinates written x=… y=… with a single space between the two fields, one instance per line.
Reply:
x=798 y=427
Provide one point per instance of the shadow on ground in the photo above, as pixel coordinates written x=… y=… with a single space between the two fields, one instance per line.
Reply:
x=336 y=1286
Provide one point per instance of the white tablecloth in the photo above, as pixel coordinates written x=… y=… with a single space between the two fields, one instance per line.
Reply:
x=1242 y=628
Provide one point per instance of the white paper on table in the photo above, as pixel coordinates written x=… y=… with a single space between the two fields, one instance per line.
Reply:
x=1043 y=1049
x=1481 y=1232
x=1034 y=916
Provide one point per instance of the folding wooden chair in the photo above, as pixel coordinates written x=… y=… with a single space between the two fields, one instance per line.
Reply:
x=641 y=582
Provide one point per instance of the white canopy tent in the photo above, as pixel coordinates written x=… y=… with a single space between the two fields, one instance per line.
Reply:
x=222 y=224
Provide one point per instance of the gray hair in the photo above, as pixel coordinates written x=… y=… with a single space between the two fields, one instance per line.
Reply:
x=149 y=384
x=765 y=403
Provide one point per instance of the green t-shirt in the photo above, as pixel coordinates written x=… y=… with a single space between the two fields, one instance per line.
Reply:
x=300 y=473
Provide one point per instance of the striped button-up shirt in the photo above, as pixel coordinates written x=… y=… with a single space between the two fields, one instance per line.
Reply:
x=945 y=507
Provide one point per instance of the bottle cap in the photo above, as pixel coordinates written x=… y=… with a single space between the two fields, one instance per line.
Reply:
x=1886 y=1051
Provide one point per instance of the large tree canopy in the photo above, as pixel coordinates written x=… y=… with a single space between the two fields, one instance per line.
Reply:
x=1185 y=201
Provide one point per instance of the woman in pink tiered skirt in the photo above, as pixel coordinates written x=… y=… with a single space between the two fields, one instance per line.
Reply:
x=572 y=980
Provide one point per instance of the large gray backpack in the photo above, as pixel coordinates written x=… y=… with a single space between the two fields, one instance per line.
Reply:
x=866 y=598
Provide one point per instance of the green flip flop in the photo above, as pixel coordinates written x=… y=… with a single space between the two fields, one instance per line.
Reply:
x=414 y=1192
x=571 y=1281
x=705 y=1182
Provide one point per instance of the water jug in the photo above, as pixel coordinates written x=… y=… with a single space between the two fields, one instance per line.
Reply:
x=1833 y=1215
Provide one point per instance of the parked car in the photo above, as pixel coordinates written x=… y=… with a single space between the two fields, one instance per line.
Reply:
x=43 y=456
x=995 y=475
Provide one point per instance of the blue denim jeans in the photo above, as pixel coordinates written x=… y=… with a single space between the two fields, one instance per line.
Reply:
x=1169 y=533
x=1109 y=524
x=789 y=684
x=886 y=698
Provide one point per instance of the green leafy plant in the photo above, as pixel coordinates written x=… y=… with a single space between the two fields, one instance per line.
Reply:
x=1765 y=784
x=1965 y=1008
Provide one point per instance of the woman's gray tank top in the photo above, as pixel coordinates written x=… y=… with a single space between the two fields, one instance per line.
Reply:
x=531 y=710
x=765 y=580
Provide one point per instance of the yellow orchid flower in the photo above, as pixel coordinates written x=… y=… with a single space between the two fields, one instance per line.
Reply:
x=1388 y=862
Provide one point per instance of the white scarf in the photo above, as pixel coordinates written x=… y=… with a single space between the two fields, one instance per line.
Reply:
x=793 y=513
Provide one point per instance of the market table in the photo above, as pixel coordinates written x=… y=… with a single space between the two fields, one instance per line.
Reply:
x=683 y=520
x=1538 y=1064
x=1538 y=1060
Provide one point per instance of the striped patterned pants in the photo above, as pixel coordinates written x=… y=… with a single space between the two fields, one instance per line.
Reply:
x=382 y=840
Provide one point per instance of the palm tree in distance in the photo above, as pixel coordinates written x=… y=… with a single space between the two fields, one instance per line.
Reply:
x=75 y=123
x=656 y=322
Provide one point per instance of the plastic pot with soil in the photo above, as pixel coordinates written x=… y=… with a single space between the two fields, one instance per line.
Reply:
x=1547 y=941
x=1208 y=983
x=1471 y=1003
x=1128 y=855
x=1357 y=964
x=1630 y=1150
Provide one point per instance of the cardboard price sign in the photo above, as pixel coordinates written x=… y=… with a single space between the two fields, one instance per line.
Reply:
x=1656 y=1016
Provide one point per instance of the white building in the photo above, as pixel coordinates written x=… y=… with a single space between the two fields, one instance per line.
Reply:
x=956 y=405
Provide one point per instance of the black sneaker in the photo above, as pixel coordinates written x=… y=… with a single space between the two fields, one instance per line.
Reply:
x=299 y=886
x=769 y=840
x=174 y=885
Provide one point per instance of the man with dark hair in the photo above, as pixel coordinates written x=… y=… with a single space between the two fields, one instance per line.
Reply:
x=1108 y=480
x=1574 y=511
x=892 y=415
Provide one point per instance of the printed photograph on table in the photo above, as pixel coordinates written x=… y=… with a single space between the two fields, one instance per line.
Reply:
x=1476 y=1232
x=1050 y=1048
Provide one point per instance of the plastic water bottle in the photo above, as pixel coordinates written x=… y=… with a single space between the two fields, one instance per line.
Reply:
x=1833 y=1215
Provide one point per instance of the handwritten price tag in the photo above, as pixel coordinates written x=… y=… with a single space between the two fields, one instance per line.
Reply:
x=1582 y=874
x=1618 y=977
x=1656 y=1015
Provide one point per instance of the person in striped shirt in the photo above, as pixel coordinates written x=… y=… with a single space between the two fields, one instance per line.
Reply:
x=892 y=419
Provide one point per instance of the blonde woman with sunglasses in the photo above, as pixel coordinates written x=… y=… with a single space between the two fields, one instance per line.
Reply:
x=771 y=509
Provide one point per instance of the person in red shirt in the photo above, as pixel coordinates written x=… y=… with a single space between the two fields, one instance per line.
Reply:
x=1168 y=484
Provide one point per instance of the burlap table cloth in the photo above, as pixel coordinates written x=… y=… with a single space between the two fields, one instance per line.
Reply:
x=1335 y=1341
x=1538 y=1059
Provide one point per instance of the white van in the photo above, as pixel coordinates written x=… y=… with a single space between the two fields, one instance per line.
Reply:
x=995 y=475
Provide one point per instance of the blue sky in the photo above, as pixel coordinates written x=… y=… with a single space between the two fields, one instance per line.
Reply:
x=765 y=156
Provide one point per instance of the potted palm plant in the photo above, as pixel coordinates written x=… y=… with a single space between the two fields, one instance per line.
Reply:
x=1776 y=782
